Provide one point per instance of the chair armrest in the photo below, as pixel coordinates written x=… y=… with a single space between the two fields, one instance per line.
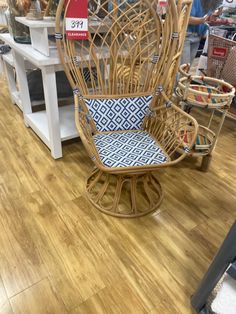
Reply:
x=86 y=128
x=173 y=129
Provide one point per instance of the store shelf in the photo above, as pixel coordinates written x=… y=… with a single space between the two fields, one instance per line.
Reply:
x=8 y=58
x=67 y=123
x=16 y=98
x=46 y=22
x=30 y=53
x=38 y=122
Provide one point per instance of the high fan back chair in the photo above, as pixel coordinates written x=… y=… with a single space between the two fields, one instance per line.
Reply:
x=183 y=12
x=125 y=119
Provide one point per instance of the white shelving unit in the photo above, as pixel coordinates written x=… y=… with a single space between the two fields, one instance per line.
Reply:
x=38 y=122
x=9 y=59
x=9 y=70
x=16 y=99
x=39 y=31
x=55 y=124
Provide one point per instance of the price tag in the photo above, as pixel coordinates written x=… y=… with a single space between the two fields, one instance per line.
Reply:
x=75 y=24
x=77 y=19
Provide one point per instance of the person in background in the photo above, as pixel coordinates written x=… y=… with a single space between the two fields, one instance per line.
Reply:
x=202 y=12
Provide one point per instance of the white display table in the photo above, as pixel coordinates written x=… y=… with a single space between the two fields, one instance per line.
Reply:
x=55 y=124
x=8 y=66
x=39 y=31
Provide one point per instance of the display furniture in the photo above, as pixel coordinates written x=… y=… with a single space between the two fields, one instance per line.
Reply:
x=40 y=30
x=205 y=93
x=8 y=68
x=54 y=124
x=124 y=116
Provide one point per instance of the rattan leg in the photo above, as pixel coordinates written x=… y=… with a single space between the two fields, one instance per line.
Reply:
x=206 y=160
x=124 y=195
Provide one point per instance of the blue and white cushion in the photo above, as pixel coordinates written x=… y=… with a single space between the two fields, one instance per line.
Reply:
x=117 y=114
x=125 y=149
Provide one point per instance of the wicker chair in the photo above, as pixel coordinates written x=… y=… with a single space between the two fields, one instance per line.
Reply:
x=125 y=119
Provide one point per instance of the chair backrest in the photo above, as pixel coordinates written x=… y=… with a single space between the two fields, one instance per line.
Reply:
x=183 y=11
x=130 y=49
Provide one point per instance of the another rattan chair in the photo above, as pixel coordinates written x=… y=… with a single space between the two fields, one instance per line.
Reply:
x=121 y=83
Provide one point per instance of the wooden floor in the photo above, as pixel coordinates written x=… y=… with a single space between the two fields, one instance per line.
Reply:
x=60 y=255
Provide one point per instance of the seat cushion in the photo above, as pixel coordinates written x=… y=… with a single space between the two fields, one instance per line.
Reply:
x=125 y=149
x=117 y=114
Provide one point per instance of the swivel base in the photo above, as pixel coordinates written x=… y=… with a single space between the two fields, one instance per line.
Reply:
x=124 y=195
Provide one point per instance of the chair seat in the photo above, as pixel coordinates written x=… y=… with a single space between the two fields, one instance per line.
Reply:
x=128 y=148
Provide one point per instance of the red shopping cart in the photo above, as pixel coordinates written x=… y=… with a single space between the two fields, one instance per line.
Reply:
x=221 y=61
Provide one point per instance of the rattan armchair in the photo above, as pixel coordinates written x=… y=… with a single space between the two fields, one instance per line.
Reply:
x=121 y=82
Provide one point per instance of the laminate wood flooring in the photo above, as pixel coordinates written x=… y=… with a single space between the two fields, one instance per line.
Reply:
x=58 y=254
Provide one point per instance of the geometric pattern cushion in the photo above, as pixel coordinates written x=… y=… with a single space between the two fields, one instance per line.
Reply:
x=124 y=149
x=118 y=114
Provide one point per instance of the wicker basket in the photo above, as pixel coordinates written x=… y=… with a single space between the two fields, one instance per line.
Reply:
x=204 y=141
x=205 y=92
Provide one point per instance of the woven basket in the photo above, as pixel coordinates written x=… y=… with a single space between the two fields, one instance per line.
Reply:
x=204 y=141
x=209 y=93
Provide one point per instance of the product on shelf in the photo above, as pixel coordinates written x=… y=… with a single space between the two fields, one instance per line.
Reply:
x=19 y=31
x=17 y=8
x=51 y=8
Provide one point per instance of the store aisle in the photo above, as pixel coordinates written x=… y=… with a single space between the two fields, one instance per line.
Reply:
x=59 y=253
